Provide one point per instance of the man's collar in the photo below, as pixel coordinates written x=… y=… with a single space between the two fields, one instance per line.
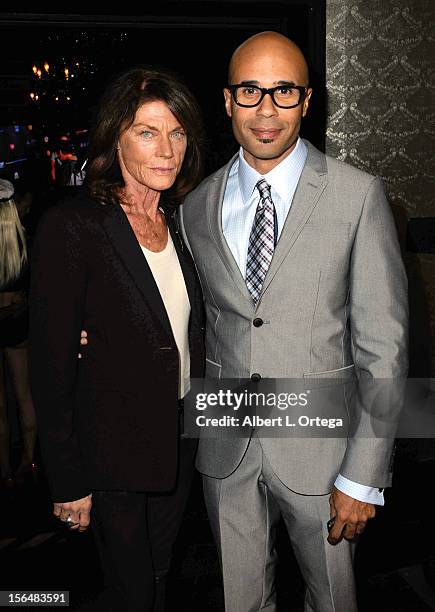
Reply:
x=278 y=178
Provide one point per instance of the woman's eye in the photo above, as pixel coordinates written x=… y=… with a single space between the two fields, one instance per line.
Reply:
x=178 y=135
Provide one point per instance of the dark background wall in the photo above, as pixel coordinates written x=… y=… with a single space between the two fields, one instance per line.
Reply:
x=194 y=39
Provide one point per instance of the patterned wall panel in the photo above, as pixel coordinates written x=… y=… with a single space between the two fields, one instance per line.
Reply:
x=380 y=57
x=381 y=94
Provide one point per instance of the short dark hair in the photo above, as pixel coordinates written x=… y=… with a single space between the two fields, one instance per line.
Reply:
x=116 y=113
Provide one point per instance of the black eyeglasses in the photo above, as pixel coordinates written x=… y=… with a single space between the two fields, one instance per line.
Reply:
x=283 y=96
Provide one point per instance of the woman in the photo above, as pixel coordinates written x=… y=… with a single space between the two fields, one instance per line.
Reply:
x=13 y=333
x=112 y=262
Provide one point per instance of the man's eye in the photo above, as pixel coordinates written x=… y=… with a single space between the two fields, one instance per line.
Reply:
x=250 y=91
x=146 y=134
x=285 y=91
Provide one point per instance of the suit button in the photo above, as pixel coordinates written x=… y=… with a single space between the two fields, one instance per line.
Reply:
x=257 y=322
x=256 y=377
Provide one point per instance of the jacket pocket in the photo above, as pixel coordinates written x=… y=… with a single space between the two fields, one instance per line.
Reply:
x=212 y=369
x=346 y=372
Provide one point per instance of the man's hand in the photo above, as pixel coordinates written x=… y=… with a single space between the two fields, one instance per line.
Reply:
x=350 y=515
x=78 y=510
x=83 y=340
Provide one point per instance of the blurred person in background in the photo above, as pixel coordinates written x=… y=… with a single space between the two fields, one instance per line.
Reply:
x=62 y=160
x=14 y=331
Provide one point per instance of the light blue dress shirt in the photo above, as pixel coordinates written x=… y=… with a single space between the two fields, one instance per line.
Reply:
x=238 y=211
x=241 y=198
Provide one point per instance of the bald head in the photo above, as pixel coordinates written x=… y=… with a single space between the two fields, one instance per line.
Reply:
x=269 y=45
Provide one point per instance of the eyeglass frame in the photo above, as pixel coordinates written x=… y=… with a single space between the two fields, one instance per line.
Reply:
x=264 y=91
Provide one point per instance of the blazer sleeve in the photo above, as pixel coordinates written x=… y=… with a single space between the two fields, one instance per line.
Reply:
x=56 y=306
x=378 y=313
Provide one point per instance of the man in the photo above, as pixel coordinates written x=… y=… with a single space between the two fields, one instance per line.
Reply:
x=302 y=276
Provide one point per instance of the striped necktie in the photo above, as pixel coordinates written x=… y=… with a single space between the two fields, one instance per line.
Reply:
x=261 y=241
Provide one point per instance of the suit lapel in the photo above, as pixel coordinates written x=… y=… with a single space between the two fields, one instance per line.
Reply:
x=186 y=262
x=311 y=184
x=120 y=233
x=215 y=198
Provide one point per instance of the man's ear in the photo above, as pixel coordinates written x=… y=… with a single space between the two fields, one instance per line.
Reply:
x=306 y=102
x=227 y=96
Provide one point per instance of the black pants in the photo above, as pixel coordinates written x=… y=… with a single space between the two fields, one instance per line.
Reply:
x=135 y=534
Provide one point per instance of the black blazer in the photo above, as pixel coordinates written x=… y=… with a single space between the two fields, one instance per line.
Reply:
x=108 y=420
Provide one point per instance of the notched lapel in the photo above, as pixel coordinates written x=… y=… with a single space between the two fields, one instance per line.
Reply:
x=119 y=231
x=215 y=198
x=312 y=183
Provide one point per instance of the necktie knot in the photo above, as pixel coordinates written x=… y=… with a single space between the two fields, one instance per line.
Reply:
x=263 y=188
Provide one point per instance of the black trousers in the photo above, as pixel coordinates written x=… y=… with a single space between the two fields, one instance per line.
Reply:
x=135 y=534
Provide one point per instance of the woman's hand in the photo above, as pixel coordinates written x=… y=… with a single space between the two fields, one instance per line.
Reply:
x=83 y=340
x=79 y=512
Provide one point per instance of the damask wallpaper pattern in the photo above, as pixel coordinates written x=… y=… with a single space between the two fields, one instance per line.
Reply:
x=380 y=58
x=381 y=94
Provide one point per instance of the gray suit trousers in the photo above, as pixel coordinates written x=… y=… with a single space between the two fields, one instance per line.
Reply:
x=243 y=510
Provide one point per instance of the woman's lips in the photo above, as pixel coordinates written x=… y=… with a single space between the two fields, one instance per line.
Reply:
x=163 y=170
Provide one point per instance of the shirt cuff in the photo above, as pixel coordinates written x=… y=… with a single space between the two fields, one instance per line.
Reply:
x=369 y=495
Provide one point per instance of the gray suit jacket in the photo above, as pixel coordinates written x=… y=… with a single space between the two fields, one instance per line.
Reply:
x=334 y=304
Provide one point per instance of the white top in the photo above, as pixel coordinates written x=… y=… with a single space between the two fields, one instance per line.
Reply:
x=169 y=278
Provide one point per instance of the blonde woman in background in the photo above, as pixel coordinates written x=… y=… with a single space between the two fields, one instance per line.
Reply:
x=13 y=335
